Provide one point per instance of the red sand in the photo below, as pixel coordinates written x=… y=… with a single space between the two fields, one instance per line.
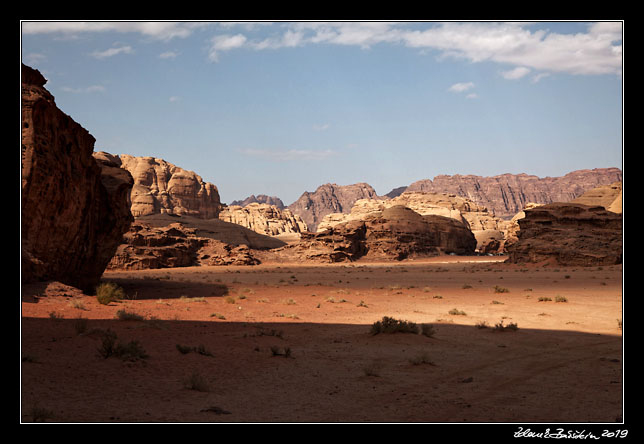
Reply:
x=562 y=365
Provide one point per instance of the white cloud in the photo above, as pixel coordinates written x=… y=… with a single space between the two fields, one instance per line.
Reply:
x=168 y=55
x=516 y=73
x=224 y=43
x=112 y=52
x=472 y=96
x=86 y=90
x=322 y=127
x=460 y=87
x=157 y=30
x=539 y=76
x=287 y=155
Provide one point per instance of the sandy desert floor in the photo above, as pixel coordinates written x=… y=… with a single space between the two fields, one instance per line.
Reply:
x=293 y=343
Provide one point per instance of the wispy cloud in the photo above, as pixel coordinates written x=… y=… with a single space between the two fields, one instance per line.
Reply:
x=156 y=30
x=472 y=96
x=460 y=87
x=322 y=127
x=112 y=52
x=516 y=73
x=86 y=90
x=168 y=55
x=225 y=42
x=287 y=155
x=596 y=51
x=34 y=58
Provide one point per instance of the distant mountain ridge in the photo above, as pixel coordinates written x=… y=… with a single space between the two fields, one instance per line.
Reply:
x=504 y=195
x=262 y=199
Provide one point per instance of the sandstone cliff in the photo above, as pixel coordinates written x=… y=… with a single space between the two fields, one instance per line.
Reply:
x=568 y=234
x=329 y=198
x=393 y=233
x=607 y=196
x=161 y=187
x=506 y=194
x=261 y=199
x=263 y=218
x=75 y=208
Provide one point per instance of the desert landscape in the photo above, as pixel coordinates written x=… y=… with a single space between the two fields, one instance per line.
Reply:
x=461 y=299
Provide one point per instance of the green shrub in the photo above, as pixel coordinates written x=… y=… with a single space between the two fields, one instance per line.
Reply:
x=108 y=292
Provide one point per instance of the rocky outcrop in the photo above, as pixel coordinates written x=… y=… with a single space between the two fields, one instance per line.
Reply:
x=175 y=245
x=329 y=198
x=75 y=209
x=393 y=233
x=485 y=227
x=607 y=196
x=263 y=218
x=261 y=199
x=506 y=194
x=163 y=188
x=568 y=234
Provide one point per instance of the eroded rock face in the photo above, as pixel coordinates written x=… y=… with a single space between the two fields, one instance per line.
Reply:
x=506 y=194
x=568 y=234
x=607 y=196
x=329 y=198
x=394 y=233
x=163 y=188
x=264 y=219
x=75 y=208
x=174 y=245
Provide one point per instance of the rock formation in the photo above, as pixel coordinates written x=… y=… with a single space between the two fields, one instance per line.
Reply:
x=175 y=245
x=161 y=187
x=568 y=234
x=607 y=196
x=329 y=198
x=506 y=194
x=262 y=198
x=485 y=227
x=395 y=232
x=75 y=208
x=263 y=218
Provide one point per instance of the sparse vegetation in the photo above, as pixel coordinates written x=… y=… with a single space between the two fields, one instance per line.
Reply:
x=391 y=325
x=40 y=414
x=510 y=327
x=108 y=292
x=131 y=351
x=544 y=299
x=457 y=312
x=427 y=330
x=423 y=358
x=559 y=298
x=196 y=382
x=481 y=325
x=498 y=289
x=80 y=325
x=125 y=315
x=200 y=349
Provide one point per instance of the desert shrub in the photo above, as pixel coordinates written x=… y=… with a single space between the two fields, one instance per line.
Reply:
x=510 y=327
x=481 y=325
x=560 y=299
x=125 y=315
x=196 y=382
x=544 y=299
x=40 y=414
x=457 y=312
x=423 y=358
x=127 y=352
x=498 y=289
x=427 y=330
x=107 y=292
x=391 y=325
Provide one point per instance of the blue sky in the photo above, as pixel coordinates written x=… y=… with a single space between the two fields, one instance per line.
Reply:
x=281 y=108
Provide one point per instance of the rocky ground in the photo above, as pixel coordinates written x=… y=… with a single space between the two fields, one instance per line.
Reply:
x=293 y=343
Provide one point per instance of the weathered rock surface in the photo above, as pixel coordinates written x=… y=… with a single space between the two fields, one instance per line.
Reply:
x=329 y=198
x=163 y=188
x=263 y=218
x=175 y=245
x=506 y=194
x=607 y=196
x=568 y=234
x=483 y=225
x=394 y=233
x=262 y=199
x=75 y=208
